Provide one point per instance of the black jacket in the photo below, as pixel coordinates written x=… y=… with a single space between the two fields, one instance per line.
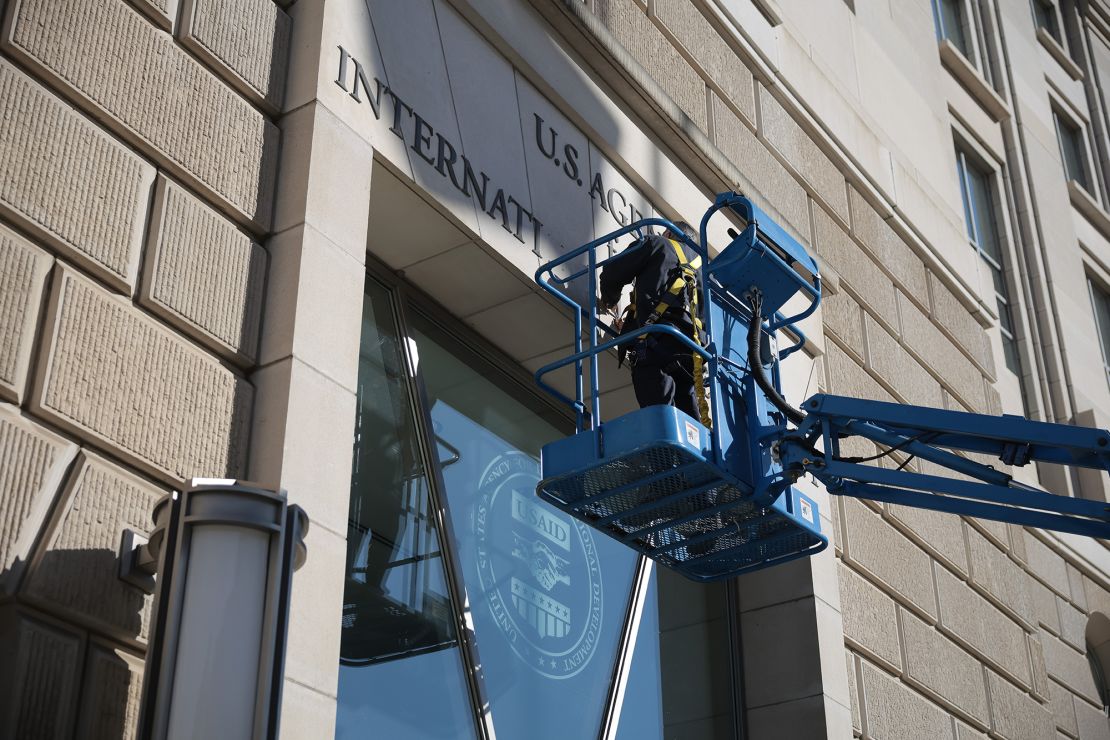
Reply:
x=649 y=263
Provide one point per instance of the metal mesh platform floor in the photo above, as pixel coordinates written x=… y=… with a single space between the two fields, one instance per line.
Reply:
x=680 y=511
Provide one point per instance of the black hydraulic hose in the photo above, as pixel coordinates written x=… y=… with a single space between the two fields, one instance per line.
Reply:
x=756 y=365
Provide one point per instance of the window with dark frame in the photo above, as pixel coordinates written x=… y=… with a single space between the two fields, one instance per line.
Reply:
x=1073 y=150
x=1100 y=303
x=977 y=193
x=952 y=23
x=1046 y=17
x=959 y=22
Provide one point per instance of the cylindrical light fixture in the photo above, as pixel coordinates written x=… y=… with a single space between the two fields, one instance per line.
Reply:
x=225 y=553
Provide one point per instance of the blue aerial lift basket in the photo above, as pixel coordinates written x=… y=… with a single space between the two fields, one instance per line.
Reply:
x=660 y=481
x=717 y=501
x=655 y=488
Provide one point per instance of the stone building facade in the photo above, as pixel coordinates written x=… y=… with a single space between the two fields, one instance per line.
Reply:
x=227 y=226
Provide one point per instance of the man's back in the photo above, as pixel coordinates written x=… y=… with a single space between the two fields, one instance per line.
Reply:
x=652 y=266
x=664 y=370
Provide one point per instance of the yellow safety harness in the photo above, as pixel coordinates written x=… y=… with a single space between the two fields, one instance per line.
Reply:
x=684 y=283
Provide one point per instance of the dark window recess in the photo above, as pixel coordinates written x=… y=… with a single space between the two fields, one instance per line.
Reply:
x=977 y=193
x=1101 y=304
x=1072 y=150
x=1044 y=14
x=951 y=23
x=401 y=670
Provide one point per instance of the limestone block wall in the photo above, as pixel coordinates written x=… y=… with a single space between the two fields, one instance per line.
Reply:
x=951 y=627
x=138 y=163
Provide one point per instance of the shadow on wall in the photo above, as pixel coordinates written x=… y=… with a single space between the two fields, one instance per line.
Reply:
x=1098 y=653
x=281 y=42
x=250 y=322
x=274 y=90
x=64 y=679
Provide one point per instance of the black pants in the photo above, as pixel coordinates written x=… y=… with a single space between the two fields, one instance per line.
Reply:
x=664 y=374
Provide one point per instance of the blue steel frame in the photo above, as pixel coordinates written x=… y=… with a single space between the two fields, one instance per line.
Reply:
x=757 y=224
x=929 y=434
x=545 y=276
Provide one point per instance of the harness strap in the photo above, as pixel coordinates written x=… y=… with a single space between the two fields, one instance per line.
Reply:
x=699 y=363
x=685 y=281
x=699 y=367
x=673 y=294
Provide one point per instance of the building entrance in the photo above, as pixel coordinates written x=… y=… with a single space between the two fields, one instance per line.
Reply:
x=471 y=608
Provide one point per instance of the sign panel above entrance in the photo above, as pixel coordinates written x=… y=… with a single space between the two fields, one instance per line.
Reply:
x=449 y=110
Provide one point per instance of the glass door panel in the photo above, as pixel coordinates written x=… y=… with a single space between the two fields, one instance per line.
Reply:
x=401 y=673
x=548 y=596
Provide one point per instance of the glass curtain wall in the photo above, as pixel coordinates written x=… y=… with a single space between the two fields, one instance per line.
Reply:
x=401 y=672
x=548 y=595
x=445 y=529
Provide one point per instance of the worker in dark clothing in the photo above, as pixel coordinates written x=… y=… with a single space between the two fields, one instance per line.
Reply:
x=663 y=272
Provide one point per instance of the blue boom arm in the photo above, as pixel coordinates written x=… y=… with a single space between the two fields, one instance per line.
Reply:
x=931 y=434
